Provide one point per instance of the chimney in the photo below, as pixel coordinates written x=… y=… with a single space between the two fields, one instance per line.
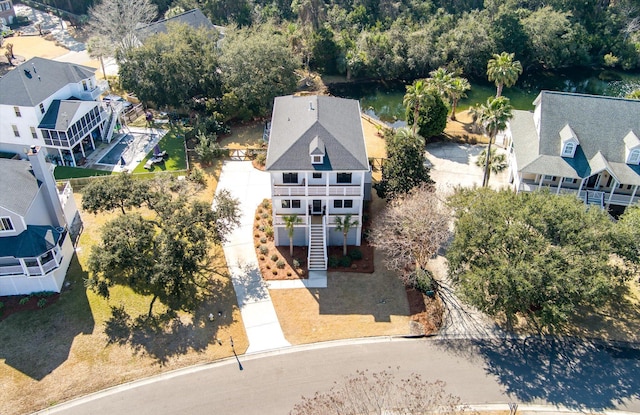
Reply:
x=42 y=172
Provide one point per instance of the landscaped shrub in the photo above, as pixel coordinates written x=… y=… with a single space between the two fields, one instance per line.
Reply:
x=263 y=240
x=274 y=257
x=266 y=203
x=24 y=300
x=274 y=272
x=42 y=302
x=333 y=261
x=268 y=230
x=296 y=263
x=264 y=250
x=422 y=280
x=280 y=264
x=345 y=261
x=288 y=275
x=355 y=254
x=265 y=215
x=261 y=159
x=196 y=175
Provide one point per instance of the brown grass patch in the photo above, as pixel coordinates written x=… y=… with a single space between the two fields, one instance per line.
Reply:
x=353 y=305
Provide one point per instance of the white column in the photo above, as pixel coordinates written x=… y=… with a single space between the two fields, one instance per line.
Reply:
x=613 y=188
x=635 y=189
x=560 y=179
x=40 y=265
x=61 y=157
x=25 y=269
x=541 y=180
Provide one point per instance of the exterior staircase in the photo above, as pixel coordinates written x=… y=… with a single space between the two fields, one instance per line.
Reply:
x=594 y=198
x=317 y=257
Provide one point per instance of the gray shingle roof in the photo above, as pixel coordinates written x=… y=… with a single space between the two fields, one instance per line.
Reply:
x=600 y=124
x=193 y=18
x=18 y=186
x=28 y=87
x=60 y=115
x=297 y=121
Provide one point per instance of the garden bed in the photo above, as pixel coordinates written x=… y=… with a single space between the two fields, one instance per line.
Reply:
x=16 y=303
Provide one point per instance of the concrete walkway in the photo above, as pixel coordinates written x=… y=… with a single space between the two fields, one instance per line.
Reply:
x=250 y=186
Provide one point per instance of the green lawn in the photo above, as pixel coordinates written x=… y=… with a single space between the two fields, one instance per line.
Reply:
x=173 y=143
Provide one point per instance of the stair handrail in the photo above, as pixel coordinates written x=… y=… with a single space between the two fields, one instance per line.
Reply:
x=324 y=240
x=309 y=249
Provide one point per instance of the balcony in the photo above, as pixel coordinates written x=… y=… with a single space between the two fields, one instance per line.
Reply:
x=34 y=267
x=93 y=94
x=313 y=190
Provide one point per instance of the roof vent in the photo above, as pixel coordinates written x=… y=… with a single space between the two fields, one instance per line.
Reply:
x=27 y=73
x=310 y=105
x=34 y=67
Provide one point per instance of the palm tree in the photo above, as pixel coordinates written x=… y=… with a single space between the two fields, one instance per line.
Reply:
x=416 y=96
x=475 y=112
x=407 y=135
x=459 y=86
x=441 y=80
x=503 y=70
x=289 y=223
x=344 y=225
x=494 y=116
x=497 y=162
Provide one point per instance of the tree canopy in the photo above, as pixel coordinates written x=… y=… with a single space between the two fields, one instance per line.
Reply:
x=432 y=114
x=411 y=229
x=534 y=256
x=404 y=168
x=114 y=192
x=164 y=254
x=173 y=68
x=503 y=70
x=257 y=66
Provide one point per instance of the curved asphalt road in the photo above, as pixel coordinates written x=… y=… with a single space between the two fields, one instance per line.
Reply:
x=565 y=373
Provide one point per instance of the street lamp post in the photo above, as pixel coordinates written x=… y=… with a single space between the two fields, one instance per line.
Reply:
x=234 y=353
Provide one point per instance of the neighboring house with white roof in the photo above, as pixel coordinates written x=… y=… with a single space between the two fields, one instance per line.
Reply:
x=319 y=170
x=583 y=144
x=36 y=215
x=56 y=106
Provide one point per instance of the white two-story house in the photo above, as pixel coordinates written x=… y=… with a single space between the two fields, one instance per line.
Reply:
x=319 y=171
x=36 y=216
x=574 y=143
x=56 y=106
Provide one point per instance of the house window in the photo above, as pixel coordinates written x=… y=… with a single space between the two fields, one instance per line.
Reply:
x=5 y=224
x=17 y=111
x=84 y=85
x=316 y=159
x=15 y=130
x=346 y=204
x=317 y=175
x=34 y=134
x=343 y=178
x=634 y=157
x=291 y=204
x=41 y=106
x=290 y=178
x=569 y=149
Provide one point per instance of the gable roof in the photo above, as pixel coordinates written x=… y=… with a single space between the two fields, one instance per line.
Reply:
x=600 y=124
x=298 y=122
x=193 y=18
x=37 y=79
x=18 y=186
x=61 y=114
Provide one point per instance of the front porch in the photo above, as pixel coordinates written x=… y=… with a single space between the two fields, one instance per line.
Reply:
x=586 y=190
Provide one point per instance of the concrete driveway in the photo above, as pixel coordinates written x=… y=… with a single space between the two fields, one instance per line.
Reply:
x=454 y=164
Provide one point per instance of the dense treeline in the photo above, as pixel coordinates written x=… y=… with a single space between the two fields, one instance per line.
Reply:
x=406 y=39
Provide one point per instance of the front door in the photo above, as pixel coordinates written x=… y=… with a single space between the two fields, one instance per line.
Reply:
x=591 y=183
x=317 y=207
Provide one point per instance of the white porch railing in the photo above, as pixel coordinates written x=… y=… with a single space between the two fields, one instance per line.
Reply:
x=32 y=270
x=279 y=219
x=606 y=197
x=301 y=190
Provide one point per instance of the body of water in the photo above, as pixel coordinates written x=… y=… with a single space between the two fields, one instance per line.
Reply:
x=384 y=100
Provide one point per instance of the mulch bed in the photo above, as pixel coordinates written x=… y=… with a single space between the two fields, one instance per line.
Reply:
x=363 y=265
x=11 y=304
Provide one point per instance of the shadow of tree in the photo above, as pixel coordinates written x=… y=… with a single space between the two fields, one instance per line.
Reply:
x=570 y=372
x=39 y=341
x=167 y=335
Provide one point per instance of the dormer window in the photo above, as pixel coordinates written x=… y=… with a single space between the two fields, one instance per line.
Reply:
x=632 y=147
x=316 y=150
x=569 y=142
x=569 y=149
